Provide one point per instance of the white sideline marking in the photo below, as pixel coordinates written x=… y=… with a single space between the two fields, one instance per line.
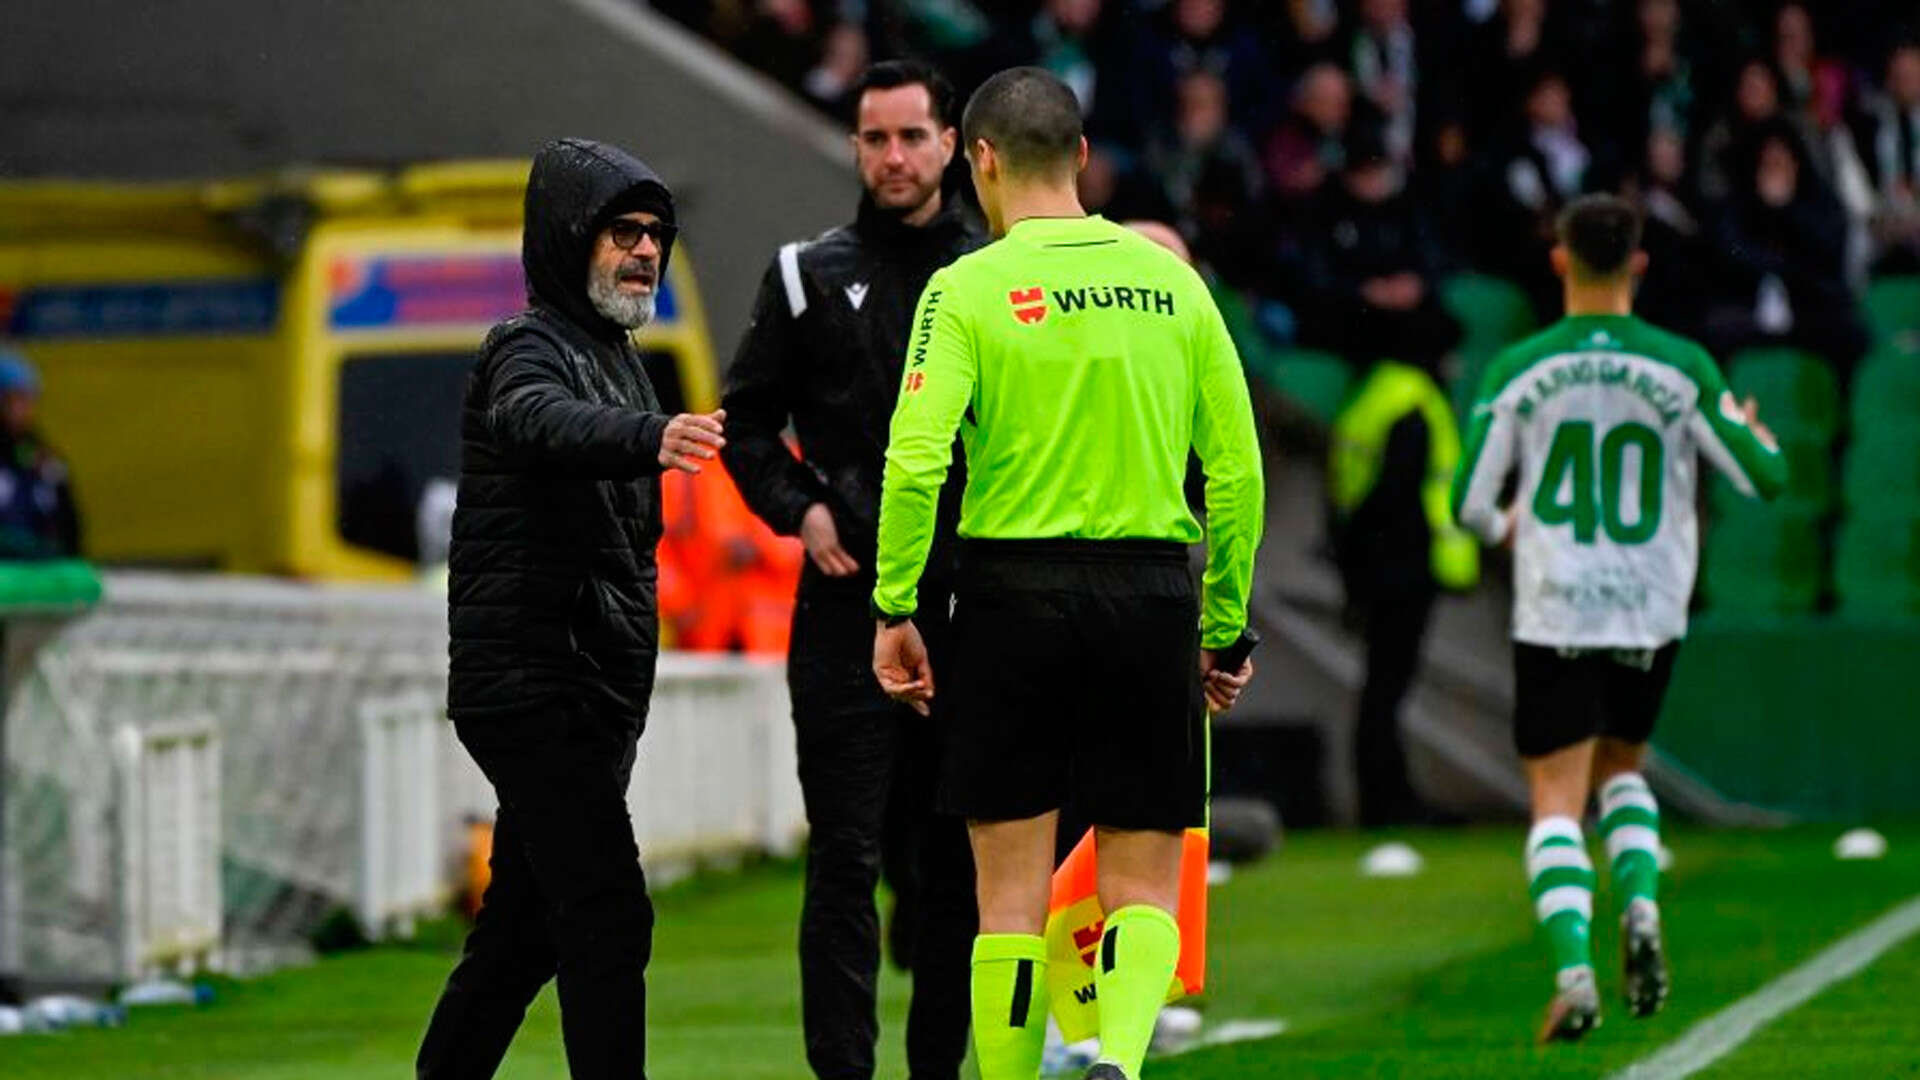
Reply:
x=1234 y=1031
x=1713 y=1038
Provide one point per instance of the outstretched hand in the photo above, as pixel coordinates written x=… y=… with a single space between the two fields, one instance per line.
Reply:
x=691 y=438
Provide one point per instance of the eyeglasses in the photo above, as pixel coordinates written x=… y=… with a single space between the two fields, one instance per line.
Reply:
x=626 y=233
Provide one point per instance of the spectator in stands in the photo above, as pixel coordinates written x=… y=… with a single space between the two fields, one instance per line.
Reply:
x=1115 y=185
x=1659 y=92
x=949 y=29
x=1505 y=53
x=1200 y=36
x=1201 y=139
x=1371 y=269
x=1730 y=146
x=842 y=59
x=1546 y=164
x=38 y=517
x=1309 y=145
x=1809 y=83
x=1385 y=60
x=1060 y=38
x=1307 y=31
x=783 y=39
x=1677 y=289
x=1886 y=134
x=1782 y=239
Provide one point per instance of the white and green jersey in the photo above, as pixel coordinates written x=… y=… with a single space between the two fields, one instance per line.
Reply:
x=1603 y=417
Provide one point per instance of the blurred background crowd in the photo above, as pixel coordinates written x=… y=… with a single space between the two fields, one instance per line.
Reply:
x=1331 y=157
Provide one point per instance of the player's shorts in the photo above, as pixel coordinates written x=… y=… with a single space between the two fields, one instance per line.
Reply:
x=1566 y=696
x=1075 y=681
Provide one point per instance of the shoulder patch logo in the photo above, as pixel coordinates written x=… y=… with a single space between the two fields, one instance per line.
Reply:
x=1029 y=305
x=915 y=380
x=857 y=294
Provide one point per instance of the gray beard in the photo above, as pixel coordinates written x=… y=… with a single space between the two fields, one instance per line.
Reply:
x=632 y=312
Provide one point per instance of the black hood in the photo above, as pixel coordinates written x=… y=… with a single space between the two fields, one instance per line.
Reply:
x=576 y=185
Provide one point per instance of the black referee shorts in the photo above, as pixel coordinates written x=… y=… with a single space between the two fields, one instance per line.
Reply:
x=1075 y=680
x=1566 y=696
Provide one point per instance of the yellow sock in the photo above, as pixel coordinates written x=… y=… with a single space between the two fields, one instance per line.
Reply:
x=1009 y=1005
x=1138 y=955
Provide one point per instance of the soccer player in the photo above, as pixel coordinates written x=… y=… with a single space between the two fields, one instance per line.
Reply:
x=1080 y=362
x=1603 y=417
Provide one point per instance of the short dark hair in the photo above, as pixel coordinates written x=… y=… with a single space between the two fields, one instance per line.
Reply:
x=1029 y=117
x=1601 y=232
x=893 y=74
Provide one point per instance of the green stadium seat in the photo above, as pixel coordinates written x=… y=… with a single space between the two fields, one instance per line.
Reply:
x=1762 y=561
x=1883 y=470
x=1876 y=566
x=1810 y=486
x=1258 y=354
x=1797 y=391
x=1494 y=313
x=1316 y=381
x=1886 y=392
x=1893 y=312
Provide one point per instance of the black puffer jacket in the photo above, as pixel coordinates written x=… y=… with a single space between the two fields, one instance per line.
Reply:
x=552 y=574
x=826 y=348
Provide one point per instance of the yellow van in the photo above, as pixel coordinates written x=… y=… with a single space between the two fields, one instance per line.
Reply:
x=265 y=375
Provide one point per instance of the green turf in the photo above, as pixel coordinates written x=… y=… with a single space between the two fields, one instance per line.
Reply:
x=1435 y=976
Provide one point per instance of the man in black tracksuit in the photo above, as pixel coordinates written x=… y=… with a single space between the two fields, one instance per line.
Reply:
x=825 y=352
x=552 y=616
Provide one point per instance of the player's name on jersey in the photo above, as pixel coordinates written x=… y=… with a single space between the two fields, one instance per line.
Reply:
x=1651 y=382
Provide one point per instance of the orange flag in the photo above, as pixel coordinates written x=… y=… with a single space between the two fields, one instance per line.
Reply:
x=1075 y=923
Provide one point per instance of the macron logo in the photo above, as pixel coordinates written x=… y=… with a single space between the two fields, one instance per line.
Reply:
x=857 y=295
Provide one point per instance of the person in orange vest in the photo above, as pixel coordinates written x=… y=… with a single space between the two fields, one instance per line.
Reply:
x=726 y=580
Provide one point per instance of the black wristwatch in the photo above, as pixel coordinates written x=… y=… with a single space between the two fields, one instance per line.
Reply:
x=887 y=618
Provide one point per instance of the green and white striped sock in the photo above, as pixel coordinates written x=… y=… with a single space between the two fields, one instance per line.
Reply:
x=1630 y=827
x=1560 y=880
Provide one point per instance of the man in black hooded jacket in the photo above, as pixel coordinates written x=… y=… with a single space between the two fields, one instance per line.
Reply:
x=825 y=352
x=552 y=616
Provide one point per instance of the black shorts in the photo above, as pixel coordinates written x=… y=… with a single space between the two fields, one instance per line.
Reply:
x=1075 y=681
x=1566 y=696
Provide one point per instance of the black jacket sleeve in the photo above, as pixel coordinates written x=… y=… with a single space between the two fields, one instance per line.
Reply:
x=1403 y=464
x=536 y=416
x=66 y=521
x=761 y=392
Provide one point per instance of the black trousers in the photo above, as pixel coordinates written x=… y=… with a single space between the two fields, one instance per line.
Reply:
x=567 y=899
x=1396 y=624
x=868 y=771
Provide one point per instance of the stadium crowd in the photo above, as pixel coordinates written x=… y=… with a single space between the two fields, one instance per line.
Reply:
x=1328 y=158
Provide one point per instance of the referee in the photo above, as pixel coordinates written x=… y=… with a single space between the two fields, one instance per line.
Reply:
x=1079 y=362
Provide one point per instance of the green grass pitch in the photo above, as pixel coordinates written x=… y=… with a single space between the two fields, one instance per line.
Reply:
x=1435 y=976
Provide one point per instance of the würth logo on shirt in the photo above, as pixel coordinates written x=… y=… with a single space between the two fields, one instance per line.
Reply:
x=915 y=380
x=1029 y=305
